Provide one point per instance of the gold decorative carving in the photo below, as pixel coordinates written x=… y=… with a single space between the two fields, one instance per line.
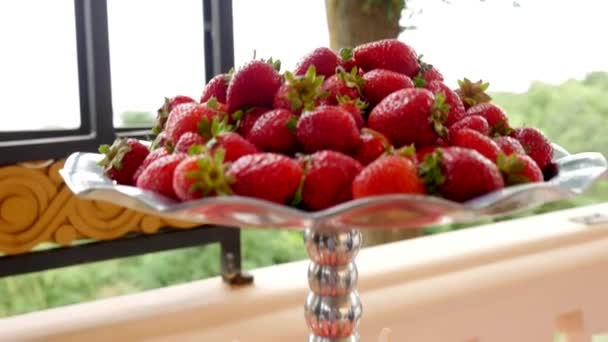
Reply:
x=36 y=207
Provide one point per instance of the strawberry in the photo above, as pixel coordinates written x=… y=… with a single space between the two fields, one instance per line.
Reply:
x=456 y=111
x=163 y=112
x=476 y=141
x=233 y=145
x=407 y=116
x=269 y=176
x=248 y=119
x=422 y=152
x=535 y=144
x=328 y=179
x=274 y=132
x=199 y=176
x=328 y=128
x=474 y=122
x=379 y=83
x=390 y=54
x=122 y=159
x=160 y=141
x=472 y=93
x=354 y=107
x=299 y=92
x=496 y=117
x=188 y=117
x=388 y=175
x=152 y=157
x=347 y=59
x=217 y=87
x=188 y=140
x=509 y=145
x=323 y=59
x=427 y=74
x=459 y=174
x=253 y=85
x=373 y=145
x=342 y=84
x=158 y=176
x=519 y=169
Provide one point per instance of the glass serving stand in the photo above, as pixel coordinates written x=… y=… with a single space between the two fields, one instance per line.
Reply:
x=332 y=237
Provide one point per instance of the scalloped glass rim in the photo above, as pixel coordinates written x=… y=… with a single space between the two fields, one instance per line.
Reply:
x=577 y=173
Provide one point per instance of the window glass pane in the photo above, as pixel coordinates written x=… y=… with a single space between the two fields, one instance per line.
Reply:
x=156 y=50
x=287 y=31
x=38 y=65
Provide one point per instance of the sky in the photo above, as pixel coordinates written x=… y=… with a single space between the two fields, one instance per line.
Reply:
x=156 y=47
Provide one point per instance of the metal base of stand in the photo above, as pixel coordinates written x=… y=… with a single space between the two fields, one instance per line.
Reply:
x=333 y=308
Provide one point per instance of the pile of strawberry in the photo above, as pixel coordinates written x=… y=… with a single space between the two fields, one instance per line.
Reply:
x=369 y=121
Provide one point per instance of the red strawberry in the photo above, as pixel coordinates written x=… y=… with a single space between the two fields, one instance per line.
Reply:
x=409 y=116
x=459 y=174
x=328 y=128
x=388 y=175
x=163 y=112
x=390 y=54
x=328 y=179
x=474 y=140
x=472 y=93
x=535 y=144
x=427 y=74
x=496 y=117
x=158 y=176
x=379 y=83
x=509 y=145
x=188 y=117
x=234 y=146
x=269 y=176
x=342 y=84
x=324 y=60
x=248 y=119
x=347 y=59
x=188 y=140
x=200 y=176
x=299 y=93
x=474 y=122
x=253 y=85
x=456 y=111
x=373 y=145
x=152 y=157
x=217 y=88
x=122 y=159
x=519 y=169
x=274 y=132
x=354 y=107
x=160 y=141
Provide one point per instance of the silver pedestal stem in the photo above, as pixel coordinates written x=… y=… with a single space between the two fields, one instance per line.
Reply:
x=333 y=308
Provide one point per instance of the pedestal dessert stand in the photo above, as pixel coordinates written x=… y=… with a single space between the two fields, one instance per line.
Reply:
x=332 y=237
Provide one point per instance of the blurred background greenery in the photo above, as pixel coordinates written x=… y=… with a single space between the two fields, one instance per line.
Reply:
x=552 y=108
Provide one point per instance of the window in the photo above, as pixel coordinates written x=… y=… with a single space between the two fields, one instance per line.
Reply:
x=156 y=50
x=286 y=30
x=38 y=68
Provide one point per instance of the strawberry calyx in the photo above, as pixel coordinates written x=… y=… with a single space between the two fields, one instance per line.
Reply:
x=430 y=171
x=209 y=129
x=351 y=79
x=304 y=91
x=419 y=80
x=406 y=151
x=210 y=176
x=511 y=168
x=357 y=102
x=346 y=54
x=162 y=114
x=439 y=113
x=472 y=93
x=501 y=129
x=114 y=154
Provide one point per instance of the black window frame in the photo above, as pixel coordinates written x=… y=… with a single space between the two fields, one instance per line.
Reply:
x=95 y=85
